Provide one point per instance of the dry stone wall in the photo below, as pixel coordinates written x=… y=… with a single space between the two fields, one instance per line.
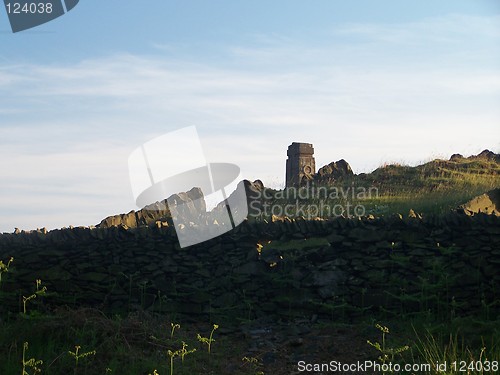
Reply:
x=341 y=267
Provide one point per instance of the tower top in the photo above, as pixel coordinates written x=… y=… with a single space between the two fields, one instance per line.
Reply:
x=297 y=148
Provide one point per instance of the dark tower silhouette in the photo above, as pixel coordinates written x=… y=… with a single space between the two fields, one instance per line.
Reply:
x=300 y=164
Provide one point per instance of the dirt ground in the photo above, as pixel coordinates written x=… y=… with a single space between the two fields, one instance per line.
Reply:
x=287 y=349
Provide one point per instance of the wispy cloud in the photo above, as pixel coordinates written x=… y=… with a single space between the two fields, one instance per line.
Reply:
x=445 y=29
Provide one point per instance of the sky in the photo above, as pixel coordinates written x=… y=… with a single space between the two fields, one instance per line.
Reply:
x=371 y=82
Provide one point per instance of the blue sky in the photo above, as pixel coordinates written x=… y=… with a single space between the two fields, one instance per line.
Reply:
x=367 y=81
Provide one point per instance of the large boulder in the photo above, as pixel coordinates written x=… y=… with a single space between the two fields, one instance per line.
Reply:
x=254 y=197
x=334 y=171
x=487 y=203
x=457 y=158
x=190 y=204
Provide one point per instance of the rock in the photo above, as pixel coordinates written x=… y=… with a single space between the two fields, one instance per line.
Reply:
x=456 y=157
x=254 y=193
x=333 y=171
x=488 y=203
x=188 y=205
x=488 y=155
x=117 y=220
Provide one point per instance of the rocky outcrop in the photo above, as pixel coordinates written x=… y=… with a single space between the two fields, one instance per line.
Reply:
x=189 y=203
x=333 y=172
x=254 y=191
x=483 y=155
x=487 y=203
x=486 y=155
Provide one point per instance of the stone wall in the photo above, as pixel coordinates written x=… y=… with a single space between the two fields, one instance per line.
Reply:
x=341 y=267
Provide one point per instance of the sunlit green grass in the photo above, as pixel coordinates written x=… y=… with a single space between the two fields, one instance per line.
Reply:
x=433 y=188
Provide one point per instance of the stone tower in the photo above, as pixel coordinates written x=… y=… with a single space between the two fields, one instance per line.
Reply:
x=300 y=163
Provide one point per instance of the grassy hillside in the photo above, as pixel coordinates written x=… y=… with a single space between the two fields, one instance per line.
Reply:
x=434 y=187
